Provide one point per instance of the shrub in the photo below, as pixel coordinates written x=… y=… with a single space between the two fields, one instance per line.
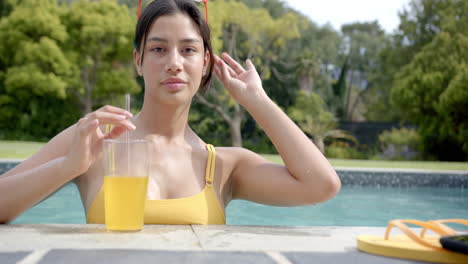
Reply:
x=400 y=144
x=343 y=150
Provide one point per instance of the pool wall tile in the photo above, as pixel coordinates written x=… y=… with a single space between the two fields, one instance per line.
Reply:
x=372 y=177
x=401 y=178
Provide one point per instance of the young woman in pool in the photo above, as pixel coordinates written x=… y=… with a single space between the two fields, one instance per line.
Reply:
x=173 y=54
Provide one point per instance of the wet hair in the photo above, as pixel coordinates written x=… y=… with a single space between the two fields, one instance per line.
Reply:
x=159 y=8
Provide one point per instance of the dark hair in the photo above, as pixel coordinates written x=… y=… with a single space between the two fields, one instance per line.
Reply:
x=159 y=8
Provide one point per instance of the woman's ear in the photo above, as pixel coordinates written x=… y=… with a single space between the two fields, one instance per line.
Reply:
x=206 y=62
x=137 y=62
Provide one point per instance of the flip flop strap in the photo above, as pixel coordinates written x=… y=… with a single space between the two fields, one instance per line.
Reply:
x=448 y=231
x=400 y=223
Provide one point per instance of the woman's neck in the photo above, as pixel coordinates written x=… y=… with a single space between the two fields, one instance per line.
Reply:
x=165 y=120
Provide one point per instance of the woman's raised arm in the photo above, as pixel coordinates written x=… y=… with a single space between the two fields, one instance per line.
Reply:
x=307 y=176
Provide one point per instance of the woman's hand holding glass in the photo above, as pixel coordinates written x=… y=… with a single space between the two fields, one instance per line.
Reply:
x=88 y=138
x=244 y=85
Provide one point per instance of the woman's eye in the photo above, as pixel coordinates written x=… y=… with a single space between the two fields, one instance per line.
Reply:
x=189 y=50
x=157 y=49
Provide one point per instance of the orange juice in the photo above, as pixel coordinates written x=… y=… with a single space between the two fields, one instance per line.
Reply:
x=125 y=202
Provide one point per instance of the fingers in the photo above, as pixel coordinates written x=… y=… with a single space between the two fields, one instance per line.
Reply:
x=238 y=69
x=221 y=70
x=115 y=132
x=116 y=110
x=250 y=65
x=86 y=126
x=113 y=118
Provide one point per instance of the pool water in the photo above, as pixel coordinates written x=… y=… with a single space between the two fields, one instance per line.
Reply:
x=353 y=206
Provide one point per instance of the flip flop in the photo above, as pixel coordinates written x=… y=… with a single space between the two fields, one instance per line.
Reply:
x=413 y=246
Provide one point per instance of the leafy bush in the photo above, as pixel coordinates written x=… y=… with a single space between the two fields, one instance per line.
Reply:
x=400 y=144
x=343 y=150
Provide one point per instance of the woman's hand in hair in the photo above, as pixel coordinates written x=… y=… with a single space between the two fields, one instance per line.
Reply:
x=88 y=137
x=244 y=84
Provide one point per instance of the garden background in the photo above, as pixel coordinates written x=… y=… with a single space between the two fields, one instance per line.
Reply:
x=358 y=93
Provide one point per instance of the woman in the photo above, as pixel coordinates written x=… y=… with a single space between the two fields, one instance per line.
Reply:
x=173 y=55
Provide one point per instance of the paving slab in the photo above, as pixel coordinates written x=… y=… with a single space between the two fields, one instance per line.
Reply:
x=13 y=257
x=152 y=256
x=70 y=236
x=351 y=257
x=66 y=243
x=282 y=238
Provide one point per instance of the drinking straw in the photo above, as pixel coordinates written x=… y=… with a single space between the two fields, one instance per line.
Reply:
x=127 y=134
x=110 y=153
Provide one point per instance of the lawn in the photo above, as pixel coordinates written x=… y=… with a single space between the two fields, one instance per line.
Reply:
x=22 y=149
x=426 y=165
x=18 y=149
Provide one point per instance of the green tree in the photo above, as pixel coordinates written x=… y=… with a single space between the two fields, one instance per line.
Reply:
x=434 y=92
x=361 y=47
x=431 y=32
x=100 y=46
x=420 y=23
x=305 y=63
x=35 y=70
x=310 y=114
x=56 y=59
x=259 y=38
x=6 y=6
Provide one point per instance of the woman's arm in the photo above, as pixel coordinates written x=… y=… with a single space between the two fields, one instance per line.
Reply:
x=66 y=156
x=307 y=176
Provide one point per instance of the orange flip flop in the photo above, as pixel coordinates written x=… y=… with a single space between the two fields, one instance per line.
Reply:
x=413 y=246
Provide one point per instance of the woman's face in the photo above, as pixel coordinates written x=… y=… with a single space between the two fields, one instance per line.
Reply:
x=174 y=60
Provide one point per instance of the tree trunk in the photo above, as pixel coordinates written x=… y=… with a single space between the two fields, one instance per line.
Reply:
x=348 y=95
x=305 y=84
x=318 y=141
x=88 y=100
x=88 y=104
x=235 y=129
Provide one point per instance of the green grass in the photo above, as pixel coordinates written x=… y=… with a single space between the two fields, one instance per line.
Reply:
x=18 y=149
x=23 y=149
x=426 y=165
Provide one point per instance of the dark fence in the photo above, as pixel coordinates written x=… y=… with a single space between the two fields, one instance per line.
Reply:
x=368 y=132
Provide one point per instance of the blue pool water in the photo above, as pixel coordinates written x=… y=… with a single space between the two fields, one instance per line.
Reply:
x=353 y=206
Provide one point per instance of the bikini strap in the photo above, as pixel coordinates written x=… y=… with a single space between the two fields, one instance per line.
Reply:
x=210 y=164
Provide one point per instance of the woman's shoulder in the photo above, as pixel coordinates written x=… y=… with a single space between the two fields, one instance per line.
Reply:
x=234 y=154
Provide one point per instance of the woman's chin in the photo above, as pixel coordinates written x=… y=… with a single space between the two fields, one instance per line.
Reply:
x=174 y=87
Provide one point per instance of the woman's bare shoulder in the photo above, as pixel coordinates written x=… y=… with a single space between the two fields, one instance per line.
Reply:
x=234 y=155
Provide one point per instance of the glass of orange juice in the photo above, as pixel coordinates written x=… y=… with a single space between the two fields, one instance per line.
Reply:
x=126 y=167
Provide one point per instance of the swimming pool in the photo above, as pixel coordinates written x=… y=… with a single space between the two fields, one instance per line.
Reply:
x=353 y=206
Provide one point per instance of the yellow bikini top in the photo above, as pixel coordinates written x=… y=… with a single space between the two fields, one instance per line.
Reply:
x=202 y=208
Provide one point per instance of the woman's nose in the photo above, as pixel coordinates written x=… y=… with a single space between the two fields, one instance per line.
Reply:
x=174 y=63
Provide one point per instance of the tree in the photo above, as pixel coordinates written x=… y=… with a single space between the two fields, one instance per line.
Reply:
x=6 y=6
x=100 y=45
x=35 y=69
x=420 y=23
x=51 y=55
x=310 y=114
x=428 y=69
x=434 y=92
x=258 y=38
x=362 y=45
x=308 y=69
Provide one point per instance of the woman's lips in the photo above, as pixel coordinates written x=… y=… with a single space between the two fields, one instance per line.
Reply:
x=174 y=84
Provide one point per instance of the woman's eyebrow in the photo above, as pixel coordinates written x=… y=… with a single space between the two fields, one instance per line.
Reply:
x=186 y=40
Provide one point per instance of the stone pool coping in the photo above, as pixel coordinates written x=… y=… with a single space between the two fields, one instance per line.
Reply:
x=76 y=243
